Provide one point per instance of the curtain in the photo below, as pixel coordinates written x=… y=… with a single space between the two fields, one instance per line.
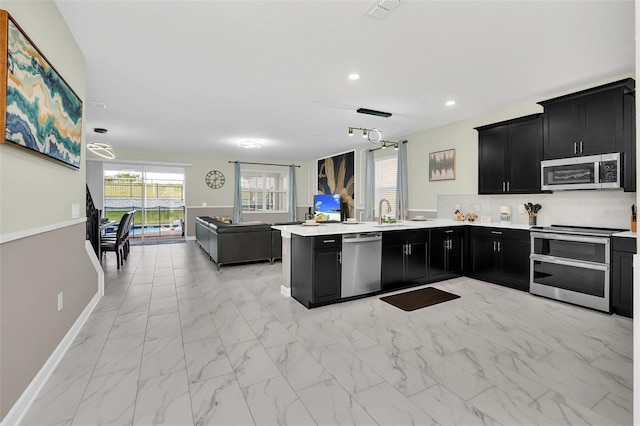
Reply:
x=402 y=190
x=369 y=190
x=237 y=196
x=293 y=199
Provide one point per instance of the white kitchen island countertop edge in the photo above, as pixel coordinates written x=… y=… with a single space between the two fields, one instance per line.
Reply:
x=346 y=228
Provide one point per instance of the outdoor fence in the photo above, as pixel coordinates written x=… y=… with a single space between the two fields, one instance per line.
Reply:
x=133 y=189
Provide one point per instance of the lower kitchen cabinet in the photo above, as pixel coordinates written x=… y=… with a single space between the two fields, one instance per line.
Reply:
x=500 y=256
x=316 y=269
x=446 y=253
x=622 y=253
x=404 y=258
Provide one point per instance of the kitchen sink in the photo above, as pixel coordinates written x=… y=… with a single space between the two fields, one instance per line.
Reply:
x=390 y=225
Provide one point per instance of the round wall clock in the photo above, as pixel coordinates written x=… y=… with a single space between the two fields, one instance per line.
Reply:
x=214 y=179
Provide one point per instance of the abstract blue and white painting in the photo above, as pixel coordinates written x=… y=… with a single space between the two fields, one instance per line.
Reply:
x=43 y=114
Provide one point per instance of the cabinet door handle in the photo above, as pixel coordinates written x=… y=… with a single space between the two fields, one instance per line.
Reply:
x=497 y=232
x=575 y=147
x=340 y=257
x=448 y=231
x=329 y=241
x=508 y=186
x=499 y=246
x=494 y=245
x=503 y=187
x=409 y=247
x=580 y=147
x=405 y=251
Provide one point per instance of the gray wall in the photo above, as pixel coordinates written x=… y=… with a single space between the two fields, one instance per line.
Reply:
x=37 y=194
x=34 y=270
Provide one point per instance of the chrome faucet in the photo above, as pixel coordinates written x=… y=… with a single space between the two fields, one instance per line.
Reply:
x=384 y=200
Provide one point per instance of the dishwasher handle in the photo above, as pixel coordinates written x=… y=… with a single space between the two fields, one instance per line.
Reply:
x=360 y=238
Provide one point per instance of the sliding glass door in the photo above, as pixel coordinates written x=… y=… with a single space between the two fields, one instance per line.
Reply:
x=155 y=193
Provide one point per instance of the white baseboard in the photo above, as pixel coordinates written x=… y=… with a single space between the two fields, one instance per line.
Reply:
x=19 y=409
x=285 y=291
x=191 y=238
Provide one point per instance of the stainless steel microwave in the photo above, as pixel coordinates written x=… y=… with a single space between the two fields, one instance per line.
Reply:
x=589 y=172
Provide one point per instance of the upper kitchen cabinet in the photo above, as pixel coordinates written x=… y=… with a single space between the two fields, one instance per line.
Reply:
x=587 y=122
x=509 y=155
x=629 y=167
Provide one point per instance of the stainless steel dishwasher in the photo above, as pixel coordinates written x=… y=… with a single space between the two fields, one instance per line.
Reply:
x=361 y=263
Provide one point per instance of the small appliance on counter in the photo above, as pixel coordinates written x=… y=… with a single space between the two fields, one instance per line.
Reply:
x=505 y=215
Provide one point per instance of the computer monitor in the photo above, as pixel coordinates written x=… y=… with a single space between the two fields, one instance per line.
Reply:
x=327 y=207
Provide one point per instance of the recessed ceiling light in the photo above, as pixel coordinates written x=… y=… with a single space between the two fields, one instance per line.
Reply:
x=354 y=76
x=251 y=143
x=450 y=103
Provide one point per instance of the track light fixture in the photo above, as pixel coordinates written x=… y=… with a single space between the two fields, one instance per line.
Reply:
x=373 y=135
x=385 y=144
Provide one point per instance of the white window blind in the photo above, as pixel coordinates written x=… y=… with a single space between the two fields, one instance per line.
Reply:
x=264 y=191
x=385 y=184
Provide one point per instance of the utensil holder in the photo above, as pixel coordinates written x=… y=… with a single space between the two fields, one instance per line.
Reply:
x=634 y=223
x=533 y=220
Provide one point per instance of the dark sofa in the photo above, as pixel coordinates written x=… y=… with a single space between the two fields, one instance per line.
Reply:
x=234 y=243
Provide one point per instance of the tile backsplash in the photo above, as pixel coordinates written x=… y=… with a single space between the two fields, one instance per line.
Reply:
x=600 y=208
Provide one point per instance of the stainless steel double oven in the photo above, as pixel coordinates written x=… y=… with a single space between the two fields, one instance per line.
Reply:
x=572 y=265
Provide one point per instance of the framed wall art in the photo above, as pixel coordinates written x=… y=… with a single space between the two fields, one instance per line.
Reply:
x=336 y=175
x=442 y=165
x=39 y=111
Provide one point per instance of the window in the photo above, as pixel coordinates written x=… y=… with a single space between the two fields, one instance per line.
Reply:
x=385 y=183
x=264 y=191
x=155 y=192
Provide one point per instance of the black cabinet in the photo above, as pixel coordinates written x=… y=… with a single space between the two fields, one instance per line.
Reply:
x=586 y=123
x=629 y=167
x=622 y=253
x=404 y=258
x=509 y=155
x=316 y=269
x=500 y=256
x=446 y=253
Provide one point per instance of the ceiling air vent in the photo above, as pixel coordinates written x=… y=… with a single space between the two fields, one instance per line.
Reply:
x=373 y=112
x=382 y=8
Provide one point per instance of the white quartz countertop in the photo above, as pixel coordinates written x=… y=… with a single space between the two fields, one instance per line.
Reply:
x=348 y=228
x=625 y=234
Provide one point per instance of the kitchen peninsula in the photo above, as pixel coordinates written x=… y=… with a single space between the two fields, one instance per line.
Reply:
x=318 y=267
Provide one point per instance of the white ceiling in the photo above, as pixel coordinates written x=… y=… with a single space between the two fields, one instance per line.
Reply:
x=200 y=76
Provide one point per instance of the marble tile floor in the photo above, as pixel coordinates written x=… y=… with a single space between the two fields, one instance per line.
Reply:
x=175 y=342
